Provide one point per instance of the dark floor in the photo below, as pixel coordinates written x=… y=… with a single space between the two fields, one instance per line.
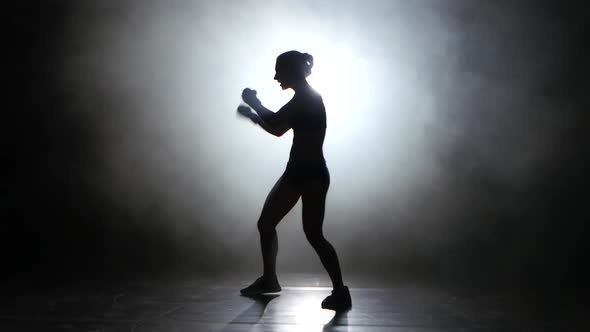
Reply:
x=214 y=305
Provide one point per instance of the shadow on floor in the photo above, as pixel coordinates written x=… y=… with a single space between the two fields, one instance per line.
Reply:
x=249 y=317
x=338 y=323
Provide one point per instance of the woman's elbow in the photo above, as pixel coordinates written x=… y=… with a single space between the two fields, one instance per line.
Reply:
x=280 y=132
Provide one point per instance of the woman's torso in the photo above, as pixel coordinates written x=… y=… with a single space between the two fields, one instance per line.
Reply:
x=308 y=120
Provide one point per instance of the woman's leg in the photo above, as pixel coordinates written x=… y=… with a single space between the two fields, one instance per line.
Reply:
x=279 y=202
x=314 y=203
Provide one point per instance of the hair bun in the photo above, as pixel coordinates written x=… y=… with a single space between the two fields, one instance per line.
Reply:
x=308 y=58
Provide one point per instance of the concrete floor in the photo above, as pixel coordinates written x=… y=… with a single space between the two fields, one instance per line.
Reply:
x=215 y=305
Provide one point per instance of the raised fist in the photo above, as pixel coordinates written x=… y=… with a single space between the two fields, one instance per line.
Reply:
x=249 y=97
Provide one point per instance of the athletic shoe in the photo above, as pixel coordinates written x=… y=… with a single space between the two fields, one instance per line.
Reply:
x=261 y=286
x=339 y=300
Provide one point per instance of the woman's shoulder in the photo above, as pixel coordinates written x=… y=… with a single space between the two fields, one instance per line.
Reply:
x=310 y=97
x=313 y=93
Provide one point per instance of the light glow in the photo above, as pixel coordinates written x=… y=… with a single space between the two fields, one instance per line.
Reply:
x=339 y=74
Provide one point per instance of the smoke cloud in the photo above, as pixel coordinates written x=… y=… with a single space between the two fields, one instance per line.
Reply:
x=452 y=129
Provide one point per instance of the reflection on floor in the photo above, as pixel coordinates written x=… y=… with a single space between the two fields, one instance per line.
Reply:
x=214 y=305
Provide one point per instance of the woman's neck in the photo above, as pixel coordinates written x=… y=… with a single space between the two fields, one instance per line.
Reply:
x=300 y=86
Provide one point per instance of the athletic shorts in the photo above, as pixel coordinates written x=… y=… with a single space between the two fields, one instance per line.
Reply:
x=298 y=175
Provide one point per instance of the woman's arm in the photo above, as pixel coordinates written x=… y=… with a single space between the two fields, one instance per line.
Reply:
x=271 y=128
x=275 y=123
x=278 y=131
x=263 y=112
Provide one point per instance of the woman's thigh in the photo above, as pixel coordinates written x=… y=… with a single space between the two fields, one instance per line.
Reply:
x=314 y=204
x=281 y=199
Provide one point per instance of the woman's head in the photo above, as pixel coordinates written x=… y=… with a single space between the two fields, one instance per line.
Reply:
x=292 y=67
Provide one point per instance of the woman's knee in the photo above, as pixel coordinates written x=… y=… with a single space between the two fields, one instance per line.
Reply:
x=314 y=237
x=264 y=226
